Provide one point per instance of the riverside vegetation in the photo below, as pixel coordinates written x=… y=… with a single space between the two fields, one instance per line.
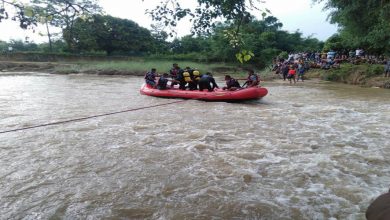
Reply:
x=367 y=75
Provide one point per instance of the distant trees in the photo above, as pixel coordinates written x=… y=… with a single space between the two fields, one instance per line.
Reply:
x=205 y=18
x=57 y=13
x=263 y=37
x=238 y=37
x=109 y=34
x=61 y=13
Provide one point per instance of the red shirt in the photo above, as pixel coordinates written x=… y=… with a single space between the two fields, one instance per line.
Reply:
x=292 y=72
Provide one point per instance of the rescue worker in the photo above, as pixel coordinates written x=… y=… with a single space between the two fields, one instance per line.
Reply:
x=207 y=81
x=150 y=78
x=162 y=82
x=231 y=83
x=252 y=80
x=187 y=79
x=195 y=79
x=176 y=74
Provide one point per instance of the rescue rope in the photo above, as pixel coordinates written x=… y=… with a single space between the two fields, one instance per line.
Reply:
x=88 y=117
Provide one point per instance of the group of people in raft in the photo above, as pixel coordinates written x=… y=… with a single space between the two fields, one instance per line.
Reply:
x=194 y=80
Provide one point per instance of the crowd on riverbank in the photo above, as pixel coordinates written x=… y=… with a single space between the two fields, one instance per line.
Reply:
x=302 y=62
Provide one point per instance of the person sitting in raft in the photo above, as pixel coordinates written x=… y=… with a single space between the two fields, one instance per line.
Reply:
x=231 y=84
x=150 y=78
x=187 y=78
x=252 y=80
x=195 y=79
x=162 y=82
x=205 y=82
x=176 y=74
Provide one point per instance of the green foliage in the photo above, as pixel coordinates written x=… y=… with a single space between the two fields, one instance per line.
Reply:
x=17 y=11
x=263 y=38
x=335 y=43
x=363 y=23
x=109 y=34
x=235 y=12
x=139 y=66
x=59 y=13
x=18 y=45
x=374 y=70
x=206 y=13
x=263 y=41
x=244 y=56
x=349 y=73
x=3 y=46
x=283 y=55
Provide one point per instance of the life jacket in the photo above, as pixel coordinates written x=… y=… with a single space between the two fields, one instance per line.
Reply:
x=187 y=76
x=196 y=75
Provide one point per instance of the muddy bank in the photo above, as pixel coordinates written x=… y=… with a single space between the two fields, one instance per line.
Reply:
x=100 y=72
x=13 y=66
x=58 y=68
x=88 y=68
x=360 y=75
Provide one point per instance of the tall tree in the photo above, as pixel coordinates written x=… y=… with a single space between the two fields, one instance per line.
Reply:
x=160 y=38
x=206 y=15
x=16 y=10
x=62 y=13
x=366 y=22
x=109 y=34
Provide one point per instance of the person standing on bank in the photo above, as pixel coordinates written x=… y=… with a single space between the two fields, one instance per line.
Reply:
x=291 y=74
x=387 y=68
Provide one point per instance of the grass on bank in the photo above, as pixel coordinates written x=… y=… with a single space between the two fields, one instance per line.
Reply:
x=367 y=75
x=138 y=67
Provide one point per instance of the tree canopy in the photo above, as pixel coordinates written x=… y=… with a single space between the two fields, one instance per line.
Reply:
x=363 y=23
x=109 y=34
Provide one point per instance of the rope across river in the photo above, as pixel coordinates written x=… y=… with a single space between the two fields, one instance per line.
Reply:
x=88 y=117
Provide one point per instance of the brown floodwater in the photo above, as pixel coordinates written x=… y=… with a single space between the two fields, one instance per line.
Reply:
x=313 y=150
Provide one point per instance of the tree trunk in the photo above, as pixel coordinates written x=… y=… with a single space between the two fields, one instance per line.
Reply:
x=49 y=36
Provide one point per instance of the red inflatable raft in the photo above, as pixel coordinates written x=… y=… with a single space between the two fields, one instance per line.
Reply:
x=217 y=95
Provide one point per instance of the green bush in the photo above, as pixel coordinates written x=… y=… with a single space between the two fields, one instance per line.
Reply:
x=374 y=70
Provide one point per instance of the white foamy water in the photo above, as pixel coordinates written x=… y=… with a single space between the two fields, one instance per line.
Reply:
x=309 y=151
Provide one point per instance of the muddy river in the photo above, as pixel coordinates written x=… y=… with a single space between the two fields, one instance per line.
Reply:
x=314 y=150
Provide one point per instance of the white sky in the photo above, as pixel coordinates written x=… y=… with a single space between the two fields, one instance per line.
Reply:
x=300 y=15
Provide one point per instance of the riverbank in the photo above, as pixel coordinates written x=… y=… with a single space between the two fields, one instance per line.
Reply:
x=131 y=68
x=134 y=68
x=365 y=75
